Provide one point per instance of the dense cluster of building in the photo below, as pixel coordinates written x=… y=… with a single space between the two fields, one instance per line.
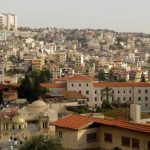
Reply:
x=69 y=52
x=75 y=57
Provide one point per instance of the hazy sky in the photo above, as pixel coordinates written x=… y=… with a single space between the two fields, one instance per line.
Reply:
x=119 y=15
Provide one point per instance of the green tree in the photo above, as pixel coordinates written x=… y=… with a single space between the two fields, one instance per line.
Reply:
x=45 y=76
x=41 y=142
x=105 y=106
x=37 y=90
x=106 y=93
x=132 y=75
x=101 y=75
x=142 y=77
x=30 y=88
x=111 y=77
x=122 y=80
x=24 y=91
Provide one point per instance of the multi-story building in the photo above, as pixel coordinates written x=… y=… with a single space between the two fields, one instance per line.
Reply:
x=124 y=92
x=78 y=132
x=79 y=59
x=61 y=58
x=37 y=63
x=8 y=21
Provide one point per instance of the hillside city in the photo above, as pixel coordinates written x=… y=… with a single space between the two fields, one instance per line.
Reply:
x=85 y=87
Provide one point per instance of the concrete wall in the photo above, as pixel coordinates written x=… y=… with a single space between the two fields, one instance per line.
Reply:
x=127 y=93
x=85 y=86
x=82 y=137
x=117 y=133
x=61 y=107
x=69 y=138
x=77 y=140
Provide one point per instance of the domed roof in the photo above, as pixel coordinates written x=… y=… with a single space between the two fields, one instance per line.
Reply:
x=17 y=120
x=38 y=103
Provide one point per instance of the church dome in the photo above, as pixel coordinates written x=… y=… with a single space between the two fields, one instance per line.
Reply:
x=17 y=120
x=38 y=103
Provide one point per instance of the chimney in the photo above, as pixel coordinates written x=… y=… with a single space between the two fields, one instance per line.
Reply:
x=135 y=113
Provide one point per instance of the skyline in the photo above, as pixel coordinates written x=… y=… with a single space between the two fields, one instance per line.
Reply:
x=119 y=15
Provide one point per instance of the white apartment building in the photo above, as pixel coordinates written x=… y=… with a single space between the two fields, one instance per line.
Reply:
x=79 y=59
x=8 y=21
x=60 y=58
x=134 y=92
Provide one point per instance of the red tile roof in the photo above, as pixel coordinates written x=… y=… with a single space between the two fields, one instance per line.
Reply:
x=122 y=84
x=77 y=122
x=73 y=95
x=81 y=78
x=53 y=85
x=73 y=122
x=62 y=79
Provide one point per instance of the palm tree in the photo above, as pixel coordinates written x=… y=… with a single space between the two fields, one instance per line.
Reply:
x=41 y=142
x=106 y=94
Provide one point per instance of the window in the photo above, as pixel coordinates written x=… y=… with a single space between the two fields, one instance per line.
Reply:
x=87 y=92
x=146 y=105
x=148 y=145
x=72 y=85
x=19 y=126
x=139 y=91
x=146 y=91
x=125 y=141
x=87 y=99
x=139 y=98
x=135 y=143
x=118 y=98
x=79 y=91
x=108 y=137
x=95 y=92
x=124 y=91
x=79 y=85
x=91 y=137
x=96 y=99
x=118 y=91
x=124 y=98
x=130 y=91
x=60 y=134
x=129 y=98
x=87 y=84
x=146 y=98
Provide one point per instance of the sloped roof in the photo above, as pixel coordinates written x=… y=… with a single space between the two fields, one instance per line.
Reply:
x=121 y=84
x=81 y=78
x=73 y=95
x=53 y=85
x=62 y=79
x=77 y=122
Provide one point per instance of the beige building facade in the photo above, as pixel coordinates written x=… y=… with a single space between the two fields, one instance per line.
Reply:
x=83 y=132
